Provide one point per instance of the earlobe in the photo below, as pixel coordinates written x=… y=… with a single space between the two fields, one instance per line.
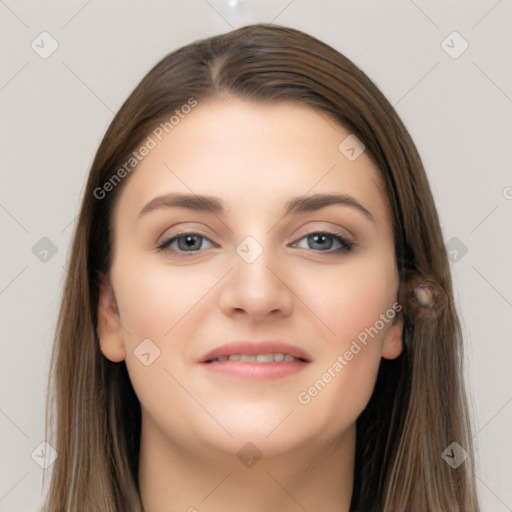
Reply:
x=109 y=327
x=393 y=345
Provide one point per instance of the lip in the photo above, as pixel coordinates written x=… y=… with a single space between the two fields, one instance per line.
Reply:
x=255 y=348
x=253 y=370
x=260 y=371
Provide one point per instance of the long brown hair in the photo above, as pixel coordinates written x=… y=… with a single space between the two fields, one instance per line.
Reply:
x=418 y=407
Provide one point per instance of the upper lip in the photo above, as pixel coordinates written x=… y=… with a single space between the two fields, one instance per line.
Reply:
x=255 y=348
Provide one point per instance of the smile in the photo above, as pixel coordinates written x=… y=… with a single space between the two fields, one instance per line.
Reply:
x=258 y=358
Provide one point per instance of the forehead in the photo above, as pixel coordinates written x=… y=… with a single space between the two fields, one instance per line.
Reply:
x=255 y=156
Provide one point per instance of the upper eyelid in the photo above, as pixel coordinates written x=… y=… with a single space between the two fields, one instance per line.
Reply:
x=337 y=230
x=326 y=227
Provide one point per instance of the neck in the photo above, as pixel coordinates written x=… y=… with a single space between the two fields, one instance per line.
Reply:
x=178 y=477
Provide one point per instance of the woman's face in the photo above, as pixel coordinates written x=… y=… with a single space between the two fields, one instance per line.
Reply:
x=254 y=270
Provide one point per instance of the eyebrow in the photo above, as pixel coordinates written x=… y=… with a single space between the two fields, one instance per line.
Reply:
x=215 y=205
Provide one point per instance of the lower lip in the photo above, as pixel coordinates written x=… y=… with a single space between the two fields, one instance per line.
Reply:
x=263 y=371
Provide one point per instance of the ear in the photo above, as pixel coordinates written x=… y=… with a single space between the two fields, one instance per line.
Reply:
x=392 y=346
x=109 y=326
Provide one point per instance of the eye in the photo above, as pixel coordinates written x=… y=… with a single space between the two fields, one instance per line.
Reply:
x=188 y=242
x=322 y=238
x=188 y=239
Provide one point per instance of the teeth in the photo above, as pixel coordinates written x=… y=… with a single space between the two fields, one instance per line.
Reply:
x=264 y=358
x=260 y=358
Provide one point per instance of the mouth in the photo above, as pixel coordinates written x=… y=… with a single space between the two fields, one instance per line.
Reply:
x=256 y=360
x=267 y=351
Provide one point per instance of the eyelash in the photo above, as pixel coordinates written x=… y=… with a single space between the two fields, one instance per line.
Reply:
x=346 y=246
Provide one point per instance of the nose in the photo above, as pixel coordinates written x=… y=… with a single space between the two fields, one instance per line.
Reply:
x=257 y=289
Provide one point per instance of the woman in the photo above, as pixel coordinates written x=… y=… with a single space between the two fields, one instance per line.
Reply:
x=210 y=354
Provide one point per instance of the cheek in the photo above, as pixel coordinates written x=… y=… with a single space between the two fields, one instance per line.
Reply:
x=352 y=298
x=153 y=298
x=164 y=305
x=351 y=305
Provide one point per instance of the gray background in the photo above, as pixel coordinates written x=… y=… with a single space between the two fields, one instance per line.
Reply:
x=55 y=110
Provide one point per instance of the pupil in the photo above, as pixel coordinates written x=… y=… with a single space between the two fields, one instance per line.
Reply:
x=189 y=241
x=318 y=236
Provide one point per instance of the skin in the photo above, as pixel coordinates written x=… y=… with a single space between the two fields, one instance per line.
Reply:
x=194 y=421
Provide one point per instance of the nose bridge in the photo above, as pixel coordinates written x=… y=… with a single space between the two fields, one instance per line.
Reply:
x=258 y=243
x=256 y=258
x=256 y=285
